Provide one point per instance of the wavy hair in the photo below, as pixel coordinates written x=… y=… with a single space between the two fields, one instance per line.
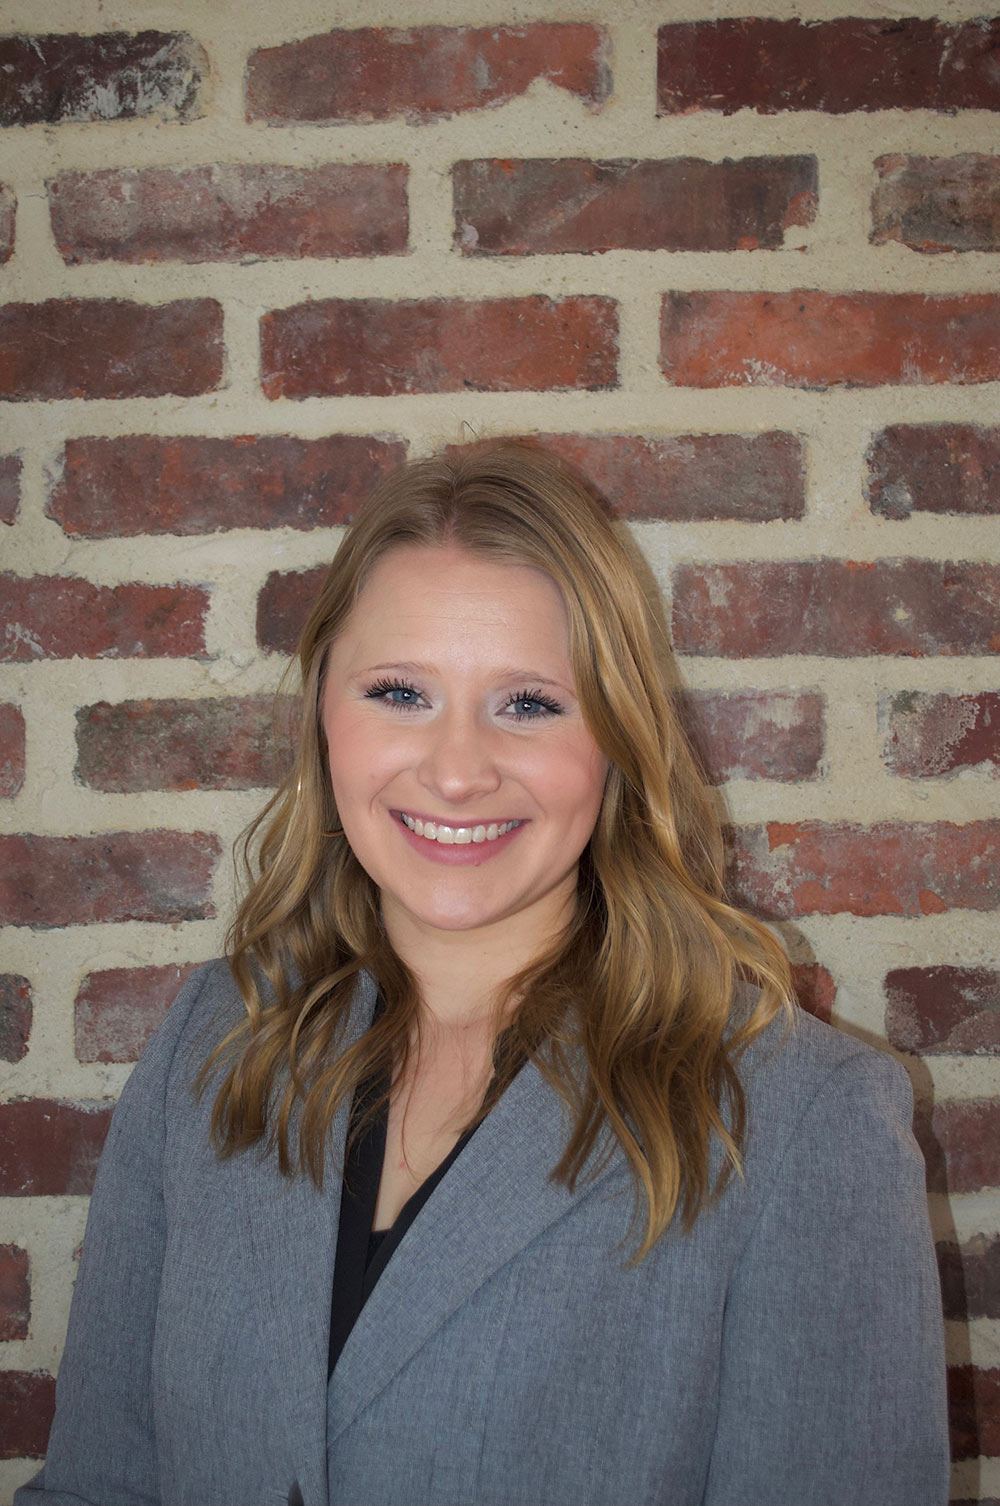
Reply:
x=630 y=1015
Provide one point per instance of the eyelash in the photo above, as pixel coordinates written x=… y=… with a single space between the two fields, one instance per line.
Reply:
x=382 y=689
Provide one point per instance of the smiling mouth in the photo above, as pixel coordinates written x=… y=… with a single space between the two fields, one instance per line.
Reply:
x=458 y=836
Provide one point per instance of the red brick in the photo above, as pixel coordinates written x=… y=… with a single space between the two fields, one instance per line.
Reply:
x=283 y=605
x=974 y=1412
x=970 y=1278
x=837 y=608
x=943 y=468
x=163 y=876
x=930 y=1010
x=10 y=487
x=11 y=749
x=117 y=488
x=931 y=733
x=109 y=347
x=62 y=617
x=937 y=203
x=424 y=72
x=756 y=734
x=836 y=66
x=15 y=1016
x=8 y=215
x=230 y=212
x=49 y=1148
x=815 y=989
x=374 y=347
x=15 y=1292
x=786 y=869
x=224 y=744
x=27 y=1405
x=113 y=75
x=516 y=208
x=817 y=340
x=116 y=1011
x=960 y=1139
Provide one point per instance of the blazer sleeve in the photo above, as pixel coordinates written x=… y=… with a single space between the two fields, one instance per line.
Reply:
x=102 y=1448
x=833 y=1358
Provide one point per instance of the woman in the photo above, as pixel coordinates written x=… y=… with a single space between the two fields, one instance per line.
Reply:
x=613 y=1229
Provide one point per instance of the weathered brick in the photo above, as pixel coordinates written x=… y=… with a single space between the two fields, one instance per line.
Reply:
x=974 y=1412
x=756 y=734
x=960 y=1139
x=224 y=744
x=109 y=347
x=785 y=869
x=113 y=75
x=49 y=1148
x=516 y=208
x=770 y=65
x=817 y=340
x=27 y=1404
x=837 y=608
x=142 y=483
x=814 y=989
x=163 y=876
x=375 y=347
x=422 y=73
x=283 y=605
x=930 y=1010
x=116 y=1011
x=230 y=212
x=8 y=216
x=937 y=203
x=62 y=617
x=943 y=468
x=10 y=487
x=15 y=1292
x=929 y=733
x=15 y=1016
x=11 y=749
x=970 y=1277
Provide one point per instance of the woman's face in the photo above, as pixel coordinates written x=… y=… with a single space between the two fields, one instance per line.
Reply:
x=465 y=777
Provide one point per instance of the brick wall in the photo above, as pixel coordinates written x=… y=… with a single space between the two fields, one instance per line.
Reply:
x=744 y=270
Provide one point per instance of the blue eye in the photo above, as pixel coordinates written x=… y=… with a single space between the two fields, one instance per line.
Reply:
x=394 y=693
x=532 y=706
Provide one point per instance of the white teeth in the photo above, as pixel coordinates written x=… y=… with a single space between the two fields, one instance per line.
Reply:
x=458 y=836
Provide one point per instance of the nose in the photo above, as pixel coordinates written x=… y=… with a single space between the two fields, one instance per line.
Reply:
x=458 y=762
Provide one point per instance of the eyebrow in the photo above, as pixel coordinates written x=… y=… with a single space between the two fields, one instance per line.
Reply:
x=512 y=672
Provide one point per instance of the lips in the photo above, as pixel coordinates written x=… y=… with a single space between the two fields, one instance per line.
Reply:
x=458 y=836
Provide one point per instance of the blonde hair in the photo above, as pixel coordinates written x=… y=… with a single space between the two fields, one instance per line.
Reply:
x=643 y=981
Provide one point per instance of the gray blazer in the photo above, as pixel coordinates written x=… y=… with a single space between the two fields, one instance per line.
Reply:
x=787 y=1350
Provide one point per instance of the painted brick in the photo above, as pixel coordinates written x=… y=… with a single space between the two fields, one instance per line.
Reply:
x=960 y=1139
x=115 y=75
x=837 y=608
x=974 y=1412
x=756 y=734
x=224 y=744
x=116 y=1011
x=163 y=876
x=118 y=488
x=109 y=347
x=8 y=216
x=937 y=203
x=10 y=487
x=516 y=208
x=836 y=66
x=929 y=733
x=970 y=1277
x=786 y=869
x=11 y=750
x=817 y=340
x=942 y=468
x=62 y=617
x=930 y=1010
x=15 y=1016
x=283 y=605
x=49 y=1148
x=422 y=73
x=15 y=1292
x=375 y=347
x=230 y=212
x=27 y=1405
x=814 y=989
